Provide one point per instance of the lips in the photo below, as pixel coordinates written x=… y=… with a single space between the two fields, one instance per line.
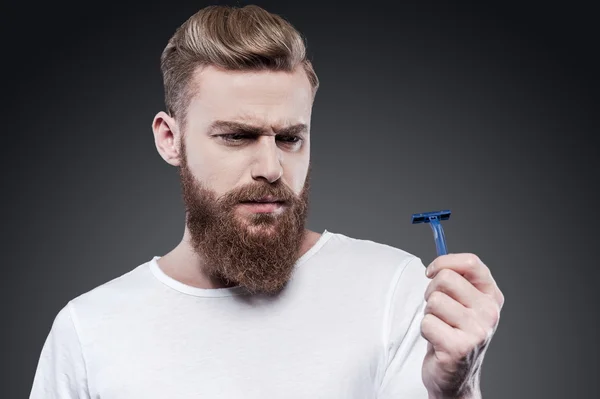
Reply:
x=263 y=206
x=268 y=199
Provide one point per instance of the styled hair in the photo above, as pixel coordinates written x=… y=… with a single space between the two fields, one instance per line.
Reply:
x=232 y=38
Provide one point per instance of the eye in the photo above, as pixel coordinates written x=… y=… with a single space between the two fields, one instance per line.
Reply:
x=241 y=138
x=235 y=138
x=290 y=139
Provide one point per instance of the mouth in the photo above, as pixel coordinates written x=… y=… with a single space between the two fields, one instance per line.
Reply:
x=262 y=200
x=263 y=205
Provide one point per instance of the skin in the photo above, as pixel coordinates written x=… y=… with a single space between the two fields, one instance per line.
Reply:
x=461 y=316
x=266 y=99
x=463 y=300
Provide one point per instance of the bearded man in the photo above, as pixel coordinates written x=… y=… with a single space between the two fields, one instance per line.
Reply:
x=250 y=303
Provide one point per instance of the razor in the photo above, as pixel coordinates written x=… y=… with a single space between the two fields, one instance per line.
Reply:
x=435 y=221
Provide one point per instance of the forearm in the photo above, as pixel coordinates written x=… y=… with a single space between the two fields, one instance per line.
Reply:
x=469 y=390
x=474 y=393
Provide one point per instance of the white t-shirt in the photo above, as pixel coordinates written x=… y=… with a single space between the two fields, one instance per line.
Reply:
x=346 y=326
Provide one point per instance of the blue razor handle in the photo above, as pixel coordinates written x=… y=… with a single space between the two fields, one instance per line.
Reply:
x=434 y=219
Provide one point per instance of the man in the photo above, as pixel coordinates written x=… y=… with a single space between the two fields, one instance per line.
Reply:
x=251 y=304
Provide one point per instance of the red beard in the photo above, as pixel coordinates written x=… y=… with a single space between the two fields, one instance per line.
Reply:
x=256 y=251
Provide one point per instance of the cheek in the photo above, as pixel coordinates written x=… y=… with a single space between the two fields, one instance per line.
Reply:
x=218 y=173
x=296 y=175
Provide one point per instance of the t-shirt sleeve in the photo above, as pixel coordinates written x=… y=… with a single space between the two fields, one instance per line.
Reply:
x=406 y=348
x=61 y=372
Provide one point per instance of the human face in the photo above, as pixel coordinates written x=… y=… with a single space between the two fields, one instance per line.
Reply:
x=247 y=138
x=244 y=128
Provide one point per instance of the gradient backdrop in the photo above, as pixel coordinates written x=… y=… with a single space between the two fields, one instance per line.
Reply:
x=490 y=111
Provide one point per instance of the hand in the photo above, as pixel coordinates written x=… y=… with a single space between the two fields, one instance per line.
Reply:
x=461 y=315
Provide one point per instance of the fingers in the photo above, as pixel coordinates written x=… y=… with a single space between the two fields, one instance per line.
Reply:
x=439 y=334
x=472 y=269
x=455 y=286
x=452 y=346
x=461 y=314
x=452 y=312
x=467 y=265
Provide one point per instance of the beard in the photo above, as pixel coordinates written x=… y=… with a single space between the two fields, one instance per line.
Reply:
x=257 y=251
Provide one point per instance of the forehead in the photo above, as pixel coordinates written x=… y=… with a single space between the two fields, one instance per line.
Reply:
x=265 y=97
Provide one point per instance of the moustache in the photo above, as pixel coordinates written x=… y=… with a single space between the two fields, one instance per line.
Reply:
x=259 y=193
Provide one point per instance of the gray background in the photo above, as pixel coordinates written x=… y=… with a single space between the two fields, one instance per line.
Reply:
x=490 y=111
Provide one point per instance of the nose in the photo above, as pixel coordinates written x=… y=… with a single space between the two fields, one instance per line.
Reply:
x=267 y=162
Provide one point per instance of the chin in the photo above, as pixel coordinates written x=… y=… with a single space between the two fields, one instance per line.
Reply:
x=258 y=224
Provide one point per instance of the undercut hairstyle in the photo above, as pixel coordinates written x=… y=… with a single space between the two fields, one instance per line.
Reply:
x=231 y=38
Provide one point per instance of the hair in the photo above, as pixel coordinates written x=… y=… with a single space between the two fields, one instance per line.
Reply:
x=232 y=38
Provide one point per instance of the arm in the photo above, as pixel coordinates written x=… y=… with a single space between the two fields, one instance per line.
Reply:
x=61 y=371
x=453 y=316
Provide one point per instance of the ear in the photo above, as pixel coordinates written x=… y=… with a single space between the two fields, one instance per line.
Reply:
x=166 y=138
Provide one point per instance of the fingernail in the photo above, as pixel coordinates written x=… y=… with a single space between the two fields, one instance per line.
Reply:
x=429 y=270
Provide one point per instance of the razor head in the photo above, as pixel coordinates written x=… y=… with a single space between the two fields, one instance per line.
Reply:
x=427 y=217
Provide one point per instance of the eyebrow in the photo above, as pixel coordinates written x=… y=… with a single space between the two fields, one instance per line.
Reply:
x=257 y=130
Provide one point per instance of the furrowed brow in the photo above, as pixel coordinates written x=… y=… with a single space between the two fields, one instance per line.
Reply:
x=232 y=126
x=235 y=127
x=292 y=130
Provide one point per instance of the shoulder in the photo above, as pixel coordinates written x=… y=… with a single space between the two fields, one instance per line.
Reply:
x=368 y=255
x=115 y=296
x=369 y=263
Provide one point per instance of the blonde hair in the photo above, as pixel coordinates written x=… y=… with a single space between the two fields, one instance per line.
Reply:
x=232 y=38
